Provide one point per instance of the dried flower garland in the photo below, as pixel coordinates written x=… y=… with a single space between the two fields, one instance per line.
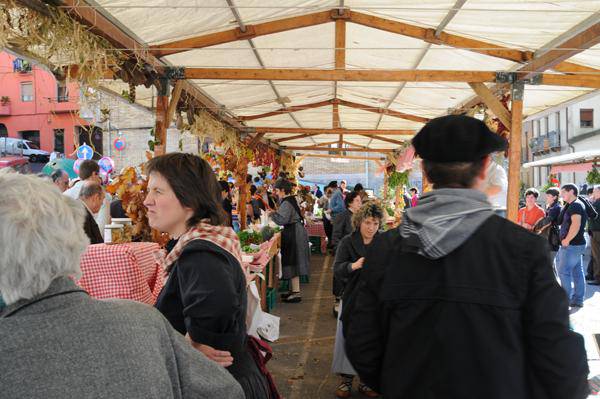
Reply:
x=58 y=41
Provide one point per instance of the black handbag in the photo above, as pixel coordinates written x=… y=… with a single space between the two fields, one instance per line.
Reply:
x=554 y=237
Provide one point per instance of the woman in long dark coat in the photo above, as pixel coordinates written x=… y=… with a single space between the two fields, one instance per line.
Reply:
x=205 y=296
x=349 y=261
x=295 y=253
x=342 y=226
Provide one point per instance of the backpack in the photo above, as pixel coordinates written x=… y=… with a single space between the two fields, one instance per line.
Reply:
x=591 y=212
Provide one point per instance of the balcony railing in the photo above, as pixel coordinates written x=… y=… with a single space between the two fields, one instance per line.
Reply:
x=546 y=143
x=64 y=104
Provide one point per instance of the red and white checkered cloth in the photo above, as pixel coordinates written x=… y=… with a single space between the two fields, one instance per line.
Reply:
x=262 y=257
x=126 y=271
x=316 y=229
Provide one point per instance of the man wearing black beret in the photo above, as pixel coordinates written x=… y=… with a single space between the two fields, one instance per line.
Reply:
x=459 y=302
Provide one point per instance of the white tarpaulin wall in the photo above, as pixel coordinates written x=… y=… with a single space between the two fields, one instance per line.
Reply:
x=522 y=25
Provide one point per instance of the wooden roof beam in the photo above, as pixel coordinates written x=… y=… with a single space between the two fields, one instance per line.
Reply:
x=388 y=25
x=255 y=140
x=379 y=110
x=332 y=149
x=456 y=41
x=384 y=111
x=576 y=44
x=314 y=131
x=103 y=27
x=232 y=35
x=352 y=145
x=355 y=157
x=364 y=75
x=392 y=141
x=286 y=110
x=296 y=137
x=488 y=97
x=375 y=75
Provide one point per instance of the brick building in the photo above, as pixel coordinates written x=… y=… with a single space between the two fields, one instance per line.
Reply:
x=36 y=107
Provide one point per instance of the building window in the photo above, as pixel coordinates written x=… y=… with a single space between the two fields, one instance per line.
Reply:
x=586 y=117
x=59 y=140
x=27 y=92
x=3 y=130
x=62 y=95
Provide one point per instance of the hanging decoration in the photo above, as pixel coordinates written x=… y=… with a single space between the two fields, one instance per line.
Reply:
x=131 y=189
x=57 y=40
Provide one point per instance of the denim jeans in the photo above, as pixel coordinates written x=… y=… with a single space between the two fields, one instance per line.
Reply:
x=570 y=269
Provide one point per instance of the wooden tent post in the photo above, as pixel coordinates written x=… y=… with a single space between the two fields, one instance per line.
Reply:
x=514 y=151
x=160 y=127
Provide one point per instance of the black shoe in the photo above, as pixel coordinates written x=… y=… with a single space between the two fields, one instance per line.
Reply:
x=576 y=305
x=593 y=282
x=285 y=295
x=294 y=297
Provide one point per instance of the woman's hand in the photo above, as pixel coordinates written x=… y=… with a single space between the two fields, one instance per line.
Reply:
x=358 y=264
x=222 y=358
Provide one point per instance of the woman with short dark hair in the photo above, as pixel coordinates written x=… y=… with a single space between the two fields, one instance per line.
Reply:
x=295 y=253
x=205 y=295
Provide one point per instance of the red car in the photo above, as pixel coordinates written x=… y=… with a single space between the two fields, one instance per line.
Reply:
x=20 y=164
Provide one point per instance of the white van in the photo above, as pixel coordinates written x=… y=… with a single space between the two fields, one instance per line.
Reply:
x=13 y=146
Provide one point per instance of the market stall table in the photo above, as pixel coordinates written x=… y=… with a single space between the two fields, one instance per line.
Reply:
x=264 y=262
x=315 y=228
x=125 y=271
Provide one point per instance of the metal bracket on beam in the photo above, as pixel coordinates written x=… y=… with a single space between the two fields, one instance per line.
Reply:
x=430 y=37
x=163 y=86
x=534 y=80
x=517 y=90
x=175 y=73
x=340 y=14
x=506 y=77
x=248 y=33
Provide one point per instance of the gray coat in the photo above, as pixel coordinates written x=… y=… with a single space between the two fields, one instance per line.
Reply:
x=64 y=344
x=342 y=226
x=287 y=215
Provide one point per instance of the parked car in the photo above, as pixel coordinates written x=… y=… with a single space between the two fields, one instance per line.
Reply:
x=27 y=148
x=20 y=164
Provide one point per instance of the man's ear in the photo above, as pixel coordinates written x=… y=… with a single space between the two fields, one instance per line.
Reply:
x=484 y=168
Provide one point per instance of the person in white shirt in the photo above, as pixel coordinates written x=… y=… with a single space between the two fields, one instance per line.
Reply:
x=496 y=187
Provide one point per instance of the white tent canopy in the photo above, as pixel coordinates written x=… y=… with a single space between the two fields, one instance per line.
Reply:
x=531 y=27
x=575 y=157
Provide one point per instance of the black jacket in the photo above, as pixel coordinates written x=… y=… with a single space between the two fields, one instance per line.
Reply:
x=342 y=226
x=350 y=249
x=205 y=297
x=91 y=229
x=487 y=321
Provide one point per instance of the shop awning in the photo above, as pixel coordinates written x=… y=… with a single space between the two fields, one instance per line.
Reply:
x=580 y=157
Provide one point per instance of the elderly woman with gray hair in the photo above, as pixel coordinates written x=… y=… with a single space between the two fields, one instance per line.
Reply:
x=349 y=260
x=64 y=344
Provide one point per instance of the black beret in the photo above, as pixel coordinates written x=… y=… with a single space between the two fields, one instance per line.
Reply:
x=456 y=138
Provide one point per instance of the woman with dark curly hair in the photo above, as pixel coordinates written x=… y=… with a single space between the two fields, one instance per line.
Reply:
x=205 y=296
x=349 y=260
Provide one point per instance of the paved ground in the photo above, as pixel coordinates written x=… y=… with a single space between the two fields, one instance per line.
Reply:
x=302 y=361
x=586 y=321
